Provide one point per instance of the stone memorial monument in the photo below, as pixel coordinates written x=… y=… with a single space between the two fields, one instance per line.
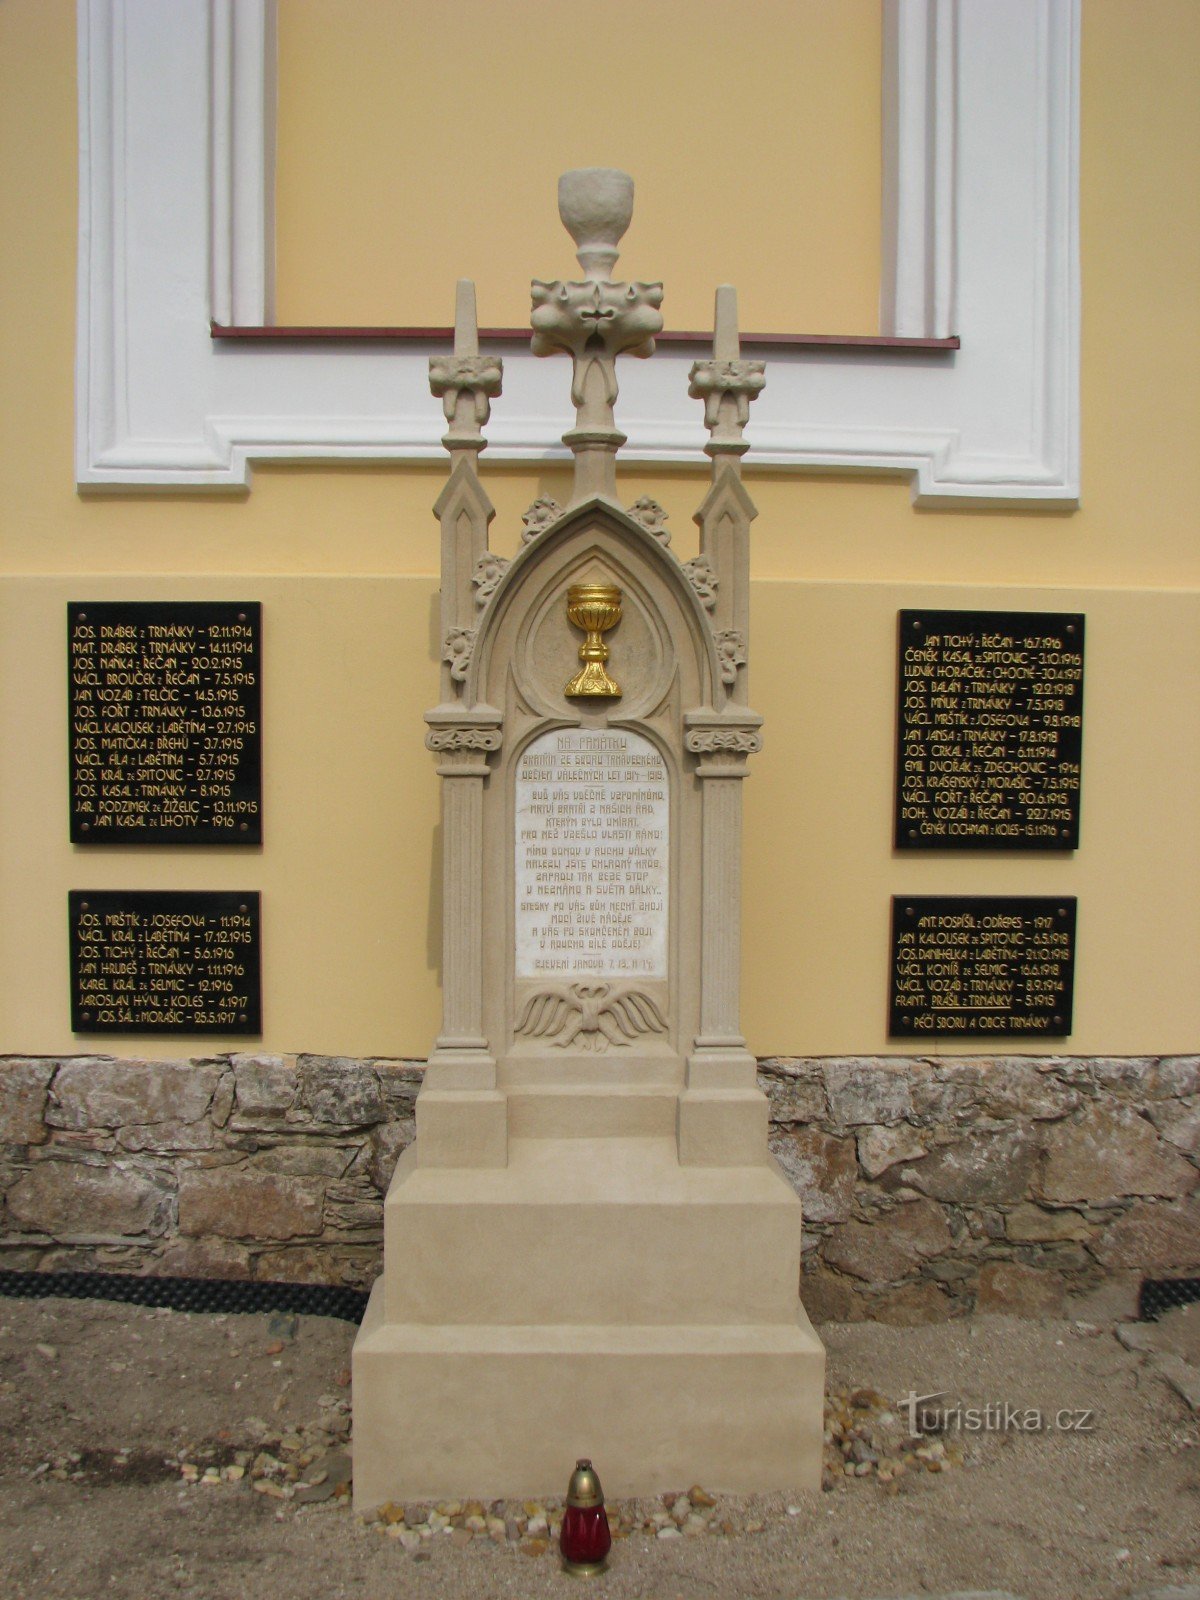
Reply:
x=588 y=1249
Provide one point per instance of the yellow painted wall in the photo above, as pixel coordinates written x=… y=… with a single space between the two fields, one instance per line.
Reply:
x=710 y=106
x=344 y=562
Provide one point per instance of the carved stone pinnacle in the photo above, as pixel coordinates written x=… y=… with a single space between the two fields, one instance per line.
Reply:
x=465 y=382
x=726 y=384
x=595 y=320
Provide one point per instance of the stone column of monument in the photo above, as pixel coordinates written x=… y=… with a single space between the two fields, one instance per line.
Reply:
x=588 y=1249
x=722 y=1112
x=460 y=1116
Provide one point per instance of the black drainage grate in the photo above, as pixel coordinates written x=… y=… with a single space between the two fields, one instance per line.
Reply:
x=189 y=1294
x=1165 y=1294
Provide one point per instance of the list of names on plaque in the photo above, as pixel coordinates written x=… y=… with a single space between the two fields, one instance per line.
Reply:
x=592 y=814
x=165 y=719
x=982 y=964
x=989 y=730
x=164 y=962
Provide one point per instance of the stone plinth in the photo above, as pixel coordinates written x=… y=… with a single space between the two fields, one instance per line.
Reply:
x=505 y=1405
x=595 y=1295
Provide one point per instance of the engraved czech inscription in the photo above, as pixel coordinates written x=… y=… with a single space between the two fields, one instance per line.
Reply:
x=990 y=724
x=165 y=961
x=165 y=719
x=592 y=817
x=982 y=964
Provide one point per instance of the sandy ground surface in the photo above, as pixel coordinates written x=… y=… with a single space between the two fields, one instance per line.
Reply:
x=102 y=1407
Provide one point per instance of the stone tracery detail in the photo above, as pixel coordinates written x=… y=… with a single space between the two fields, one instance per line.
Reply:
x=456 y=650
x=731 y=653
x=489 y=569
x=542 y=514
x=653 y=517
x=735 y=741
x=702 y=576
x=464 y=737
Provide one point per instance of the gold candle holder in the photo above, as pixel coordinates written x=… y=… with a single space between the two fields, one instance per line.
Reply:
x=596 y=608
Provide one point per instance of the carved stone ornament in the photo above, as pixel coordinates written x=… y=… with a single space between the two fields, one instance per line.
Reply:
x=489 y=569
x=731 y=653
x=479 y=376
x=596 y=207
x=595 y=323
x=652 y=517
x=542 y=514
x=714 y=381
x=702 y=576
x=457 y=649
x=595 y=320
x=734 y=741
x=590 y=1016
x=464 y=738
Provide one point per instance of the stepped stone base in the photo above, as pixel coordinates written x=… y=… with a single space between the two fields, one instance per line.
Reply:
x=593 y=1297
x=591 y=1231
x=453 y=1410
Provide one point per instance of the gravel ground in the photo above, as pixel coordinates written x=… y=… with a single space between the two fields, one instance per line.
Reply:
x=109 y=1412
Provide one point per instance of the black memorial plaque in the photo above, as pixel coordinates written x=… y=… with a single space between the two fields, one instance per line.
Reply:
x=161 y=961
x=165 y=722
x=981 y=965
x=990 y=729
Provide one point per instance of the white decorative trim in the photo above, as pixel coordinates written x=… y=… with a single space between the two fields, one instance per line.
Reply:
x=981 y=239
x=243 y=161
x=919 y=132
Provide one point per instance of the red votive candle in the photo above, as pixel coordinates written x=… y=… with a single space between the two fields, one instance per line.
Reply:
x=585 y=1540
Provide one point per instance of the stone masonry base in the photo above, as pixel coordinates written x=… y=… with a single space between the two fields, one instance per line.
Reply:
x=931 y=1186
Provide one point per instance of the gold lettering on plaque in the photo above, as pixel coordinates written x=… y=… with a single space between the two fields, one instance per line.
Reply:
x=596 y=608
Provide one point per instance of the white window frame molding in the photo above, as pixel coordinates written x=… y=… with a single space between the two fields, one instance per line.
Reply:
x=980 y=239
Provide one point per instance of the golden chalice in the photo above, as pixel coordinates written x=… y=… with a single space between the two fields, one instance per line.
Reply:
x=594 y=607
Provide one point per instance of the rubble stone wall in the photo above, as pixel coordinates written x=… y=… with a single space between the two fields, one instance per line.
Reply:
x=931 y=1186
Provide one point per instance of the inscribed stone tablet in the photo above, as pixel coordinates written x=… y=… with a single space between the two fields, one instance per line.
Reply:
x=592 y=851
x=990 y=722
x=981 y=965
x=165 y=961
x=165 y=722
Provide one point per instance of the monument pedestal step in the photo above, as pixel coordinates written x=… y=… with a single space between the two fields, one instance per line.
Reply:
x=456 y=1410
x=591 y=1231
x=591 y=1111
